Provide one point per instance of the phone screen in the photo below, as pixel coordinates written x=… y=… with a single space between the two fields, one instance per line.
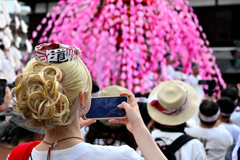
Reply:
x=3 y=84
x=106 y=107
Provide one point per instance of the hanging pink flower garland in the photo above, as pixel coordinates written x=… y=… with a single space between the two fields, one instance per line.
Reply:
x=124 y=42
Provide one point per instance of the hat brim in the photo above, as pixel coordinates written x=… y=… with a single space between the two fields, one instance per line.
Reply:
x=21 y=122
x=172 y=120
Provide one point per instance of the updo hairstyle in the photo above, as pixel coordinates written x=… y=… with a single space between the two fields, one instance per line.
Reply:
x=41 y=92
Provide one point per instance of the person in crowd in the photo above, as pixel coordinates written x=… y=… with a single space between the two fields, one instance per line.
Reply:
x=95 y=89
x=7 y=103
x=14 y=132
x=169 y=65
x=170 y=105
x=178 y=74
x=142 y=103
x=104 y=133
x=216 y=140
x=226 y=108
x=193 y=80
x=53 y=92
x=236 y=150
x=232 y=93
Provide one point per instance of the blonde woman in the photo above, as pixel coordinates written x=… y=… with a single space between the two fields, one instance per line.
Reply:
x=54 y=92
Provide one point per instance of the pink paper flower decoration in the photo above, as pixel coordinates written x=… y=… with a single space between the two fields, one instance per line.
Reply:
x=124 y=43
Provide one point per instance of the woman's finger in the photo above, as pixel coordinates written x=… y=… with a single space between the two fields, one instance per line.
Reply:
x=124 y=105
x=117 y=121
x=7 y=92
x=130 y=96
x=86 y=122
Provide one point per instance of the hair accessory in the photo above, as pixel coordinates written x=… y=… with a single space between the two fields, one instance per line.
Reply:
x=209 y=118
x=60 y=106
x=69 y=100
x=56 y=143
x=56 y=53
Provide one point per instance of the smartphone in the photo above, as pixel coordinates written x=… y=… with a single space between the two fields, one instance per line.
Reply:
x=106 y=108
x=3 y=85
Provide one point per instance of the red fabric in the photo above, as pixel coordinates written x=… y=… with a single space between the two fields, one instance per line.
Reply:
x=50 y=46
x=22 y=151
x=161 y=109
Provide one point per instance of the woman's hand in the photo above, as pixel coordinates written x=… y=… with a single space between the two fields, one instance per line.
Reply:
x=7 y=100
x=136 y=126
x=133 y=119
x=86 y=122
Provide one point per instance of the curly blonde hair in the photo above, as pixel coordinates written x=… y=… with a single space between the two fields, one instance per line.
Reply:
x=41 y=92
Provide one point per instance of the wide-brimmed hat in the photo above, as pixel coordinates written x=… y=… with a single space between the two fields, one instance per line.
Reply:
x=21 y=122
x=7 y=112
x=112 y=91
x=172 y=103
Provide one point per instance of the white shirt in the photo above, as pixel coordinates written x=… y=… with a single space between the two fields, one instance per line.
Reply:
x=234 y=153
x=234 y=130
x=170 y=71
x=193 y=81
x=194 y=120
x=177 y=75
x=235 y=116
x=86 y=151
x=215 y=140
x=192 y=150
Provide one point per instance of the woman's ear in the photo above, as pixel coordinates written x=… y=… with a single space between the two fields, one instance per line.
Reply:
x=81 y=97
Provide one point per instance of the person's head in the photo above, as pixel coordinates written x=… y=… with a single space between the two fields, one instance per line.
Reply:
x=51 y=93
x=209 y=112
x=142 y=103
x=195 y=69
x=95 y=89
x=230 y=92
x=112 y=91
x=167 y=57
x=179 y=68
x=14 y=131
x=172 y=103
x=226 y=107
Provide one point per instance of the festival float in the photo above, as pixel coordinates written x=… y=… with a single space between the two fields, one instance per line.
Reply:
x=124 y=41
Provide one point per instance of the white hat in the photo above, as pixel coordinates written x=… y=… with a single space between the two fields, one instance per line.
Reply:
x=172 y=102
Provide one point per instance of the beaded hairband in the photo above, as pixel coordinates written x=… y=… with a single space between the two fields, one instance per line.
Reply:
x=57 y=53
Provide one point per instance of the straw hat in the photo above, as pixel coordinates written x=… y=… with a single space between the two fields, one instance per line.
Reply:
x=172 y=103
x=112 y=91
